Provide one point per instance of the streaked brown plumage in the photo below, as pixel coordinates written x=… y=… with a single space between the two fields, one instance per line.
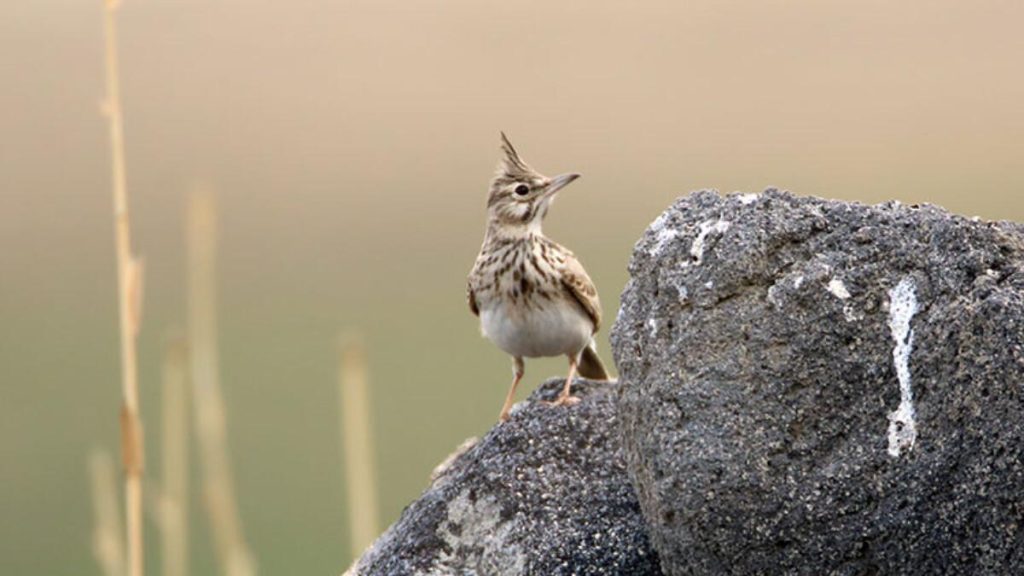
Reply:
x=532 y=295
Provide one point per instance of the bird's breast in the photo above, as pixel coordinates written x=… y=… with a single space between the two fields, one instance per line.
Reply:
x=549 y=328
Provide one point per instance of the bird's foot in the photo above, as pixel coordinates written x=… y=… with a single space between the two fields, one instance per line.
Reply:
x=564 y=400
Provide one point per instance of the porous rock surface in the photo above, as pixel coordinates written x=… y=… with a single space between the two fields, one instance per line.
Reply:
x=545 y=493
x=818 y=387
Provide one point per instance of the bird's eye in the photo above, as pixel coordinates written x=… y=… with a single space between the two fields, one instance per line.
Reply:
x=522 y=190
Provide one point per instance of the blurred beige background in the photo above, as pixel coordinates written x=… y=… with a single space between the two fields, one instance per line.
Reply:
x=351 y=143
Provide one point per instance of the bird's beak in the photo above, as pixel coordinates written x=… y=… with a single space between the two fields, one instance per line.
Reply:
x=559 y=182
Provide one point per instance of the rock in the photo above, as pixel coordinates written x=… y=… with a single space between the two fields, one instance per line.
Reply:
x=816 y=387
x=546 y=493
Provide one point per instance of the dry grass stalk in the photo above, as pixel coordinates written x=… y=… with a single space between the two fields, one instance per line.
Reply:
x=129 y=281
x=107 y=537
x=211 y=429
x=174 y=501
x=357 y=443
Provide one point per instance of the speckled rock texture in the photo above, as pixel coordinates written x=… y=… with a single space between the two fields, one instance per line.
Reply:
x=816 y=387
x=545 y=493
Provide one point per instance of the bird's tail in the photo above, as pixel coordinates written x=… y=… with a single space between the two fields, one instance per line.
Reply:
x=590 y=365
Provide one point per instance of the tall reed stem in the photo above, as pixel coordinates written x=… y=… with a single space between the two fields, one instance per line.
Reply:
x=211 y=428
x=129 y=283
x=107 y=538
x=174 y=501
x=357 y=443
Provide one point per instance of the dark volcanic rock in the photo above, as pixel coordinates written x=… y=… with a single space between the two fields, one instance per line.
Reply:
x=546 y=493
x=815 y=387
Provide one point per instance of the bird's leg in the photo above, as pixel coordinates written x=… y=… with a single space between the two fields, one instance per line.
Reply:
x=517 y=370
x=566 y=399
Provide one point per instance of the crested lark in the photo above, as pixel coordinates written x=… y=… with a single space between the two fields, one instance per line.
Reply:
x=532 y=296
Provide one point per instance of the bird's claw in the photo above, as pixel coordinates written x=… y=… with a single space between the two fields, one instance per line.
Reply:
x=564 y=400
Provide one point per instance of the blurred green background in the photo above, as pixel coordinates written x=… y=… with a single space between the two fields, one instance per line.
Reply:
x=351 y=143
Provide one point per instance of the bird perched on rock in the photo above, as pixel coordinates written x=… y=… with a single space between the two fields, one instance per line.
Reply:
x=532 y=295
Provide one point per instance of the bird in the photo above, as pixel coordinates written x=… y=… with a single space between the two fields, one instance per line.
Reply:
x=532 y=296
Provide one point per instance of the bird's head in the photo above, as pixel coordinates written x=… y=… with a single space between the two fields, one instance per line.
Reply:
x=520 y=196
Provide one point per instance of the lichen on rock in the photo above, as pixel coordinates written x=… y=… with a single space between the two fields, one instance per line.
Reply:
x=545 y=493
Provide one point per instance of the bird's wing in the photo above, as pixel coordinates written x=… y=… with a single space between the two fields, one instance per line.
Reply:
x=471 y=299
x=581 y=288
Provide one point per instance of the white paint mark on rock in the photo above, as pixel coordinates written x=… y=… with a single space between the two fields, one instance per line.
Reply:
x=662 y=234
x=902 y=307
x=748 y=198
x=652 y=325
x=838 y=289
x=699 y=243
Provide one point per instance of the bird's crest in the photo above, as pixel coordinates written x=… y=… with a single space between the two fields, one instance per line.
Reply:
x=512 y=165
